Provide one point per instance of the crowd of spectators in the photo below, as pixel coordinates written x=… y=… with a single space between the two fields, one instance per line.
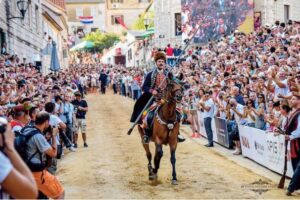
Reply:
x=249 y=78
x=215 y=18
x=50 y=111
x=245 y=79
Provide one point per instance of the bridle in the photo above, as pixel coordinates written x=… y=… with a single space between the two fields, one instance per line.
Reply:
x=176 y=96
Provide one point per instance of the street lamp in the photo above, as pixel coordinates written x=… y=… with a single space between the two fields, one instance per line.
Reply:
x=22 y=6
x=146 y=23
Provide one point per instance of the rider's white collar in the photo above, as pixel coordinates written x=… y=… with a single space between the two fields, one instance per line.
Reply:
x=160 y=70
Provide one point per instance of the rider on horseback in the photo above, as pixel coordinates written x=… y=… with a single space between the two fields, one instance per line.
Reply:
x=155 y=84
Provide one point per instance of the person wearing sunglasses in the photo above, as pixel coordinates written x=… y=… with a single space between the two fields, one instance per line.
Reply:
x=249 y=114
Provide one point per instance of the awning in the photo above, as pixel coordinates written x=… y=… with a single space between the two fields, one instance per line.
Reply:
x=149 y=32
x=83 y=45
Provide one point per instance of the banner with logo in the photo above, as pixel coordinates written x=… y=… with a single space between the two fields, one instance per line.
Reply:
x=264 y=148
x=221 y=131
x=276 y=154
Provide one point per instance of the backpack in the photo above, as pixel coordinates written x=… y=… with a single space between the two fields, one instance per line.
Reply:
x=20 y=143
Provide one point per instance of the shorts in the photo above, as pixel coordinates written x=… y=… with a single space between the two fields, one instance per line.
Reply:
x=93 y=83
x=80 y=124
x=48 y=184
x=193 y=112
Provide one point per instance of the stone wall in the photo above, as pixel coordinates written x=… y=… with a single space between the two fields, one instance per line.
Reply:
x=25 y=36
x=164 y=22
x=274 y=10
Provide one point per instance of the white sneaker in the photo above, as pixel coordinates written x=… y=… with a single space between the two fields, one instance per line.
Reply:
x=237 y=152
x=72 y=149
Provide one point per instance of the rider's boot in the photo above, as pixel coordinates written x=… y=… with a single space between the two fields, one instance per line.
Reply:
x=180 y=138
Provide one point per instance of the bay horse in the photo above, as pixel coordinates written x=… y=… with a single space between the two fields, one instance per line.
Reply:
x=165 y=128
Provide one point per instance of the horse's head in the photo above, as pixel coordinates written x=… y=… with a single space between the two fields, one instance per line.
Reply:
x=174 y=91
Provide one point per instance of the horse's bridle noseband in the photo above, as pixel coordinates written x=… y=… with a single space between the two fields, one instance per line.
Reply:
x=178 y=95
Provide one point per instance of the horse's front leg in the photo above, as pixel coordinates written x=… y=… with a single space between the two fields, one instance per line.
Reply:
x=173 y=146
x=148 y=154
x=173 y=162
x=157 y=158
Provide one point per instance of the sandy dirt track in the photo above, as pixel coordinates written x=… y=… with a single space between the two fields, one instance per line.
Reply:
x=115 y=166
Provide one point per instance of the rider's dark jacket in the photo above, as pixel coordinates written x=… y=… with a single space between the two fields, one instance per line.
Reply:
x=151 y=82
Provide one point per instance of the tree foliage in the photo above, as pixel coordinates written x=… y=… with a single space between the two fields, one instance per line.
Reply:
x=102 y=40
x=139 y=24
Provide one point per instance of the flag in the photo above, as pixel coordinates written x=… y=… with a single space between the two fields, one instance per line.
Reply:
x=86 y=20
x=119 y=19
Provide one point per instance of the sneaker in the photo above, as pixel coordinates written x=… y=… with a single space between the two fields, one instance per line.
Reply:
x=75 y=146
x=237 y=152
x=209 y=145
x=146 y=139
x=180 y=138
x=72 y=149
x=85 y=145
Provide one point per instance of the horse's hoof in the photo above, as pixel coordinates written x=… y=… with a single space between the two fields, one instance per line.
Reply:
x=174 y=182
x=152 y=177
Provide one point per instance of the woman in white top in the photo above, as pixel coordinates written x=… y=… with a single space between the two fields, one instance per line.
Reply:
x=249 y=115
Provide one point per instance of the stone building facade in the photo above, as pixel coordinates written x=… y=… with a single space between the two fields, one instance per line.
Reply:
x=167 y=17
x=128 y=10
x=23 y=37
x=84 y=8
x=54 y=25
x=282 y=10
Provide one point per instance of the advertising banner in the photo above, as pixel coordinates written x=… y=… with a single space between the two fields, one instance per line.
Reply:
x=264 y=148
x=220 y=134
x=216 y=18
x=276 y=154
x=260 y=146
x=221 y=131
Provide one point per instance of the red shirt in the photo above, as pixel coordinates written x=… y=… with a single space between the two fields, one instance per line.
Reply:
x=170 y=51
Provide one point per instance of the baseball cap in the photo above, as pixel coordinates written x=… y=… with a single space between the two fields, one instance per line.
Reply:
x=77 y=94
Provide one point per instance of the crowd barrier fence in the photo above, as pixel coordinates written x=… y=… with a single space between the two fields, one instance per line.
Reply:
x=260 y=146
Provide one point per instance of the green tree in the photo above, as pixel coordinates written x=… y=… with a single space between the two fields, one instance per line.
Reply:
x=139 y=24
x=102 y=40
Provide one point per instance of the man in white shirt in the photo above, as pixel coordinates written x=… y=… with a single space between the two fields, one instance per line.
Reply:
x=237 y=110
x=278 y=84
x=208 y=113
